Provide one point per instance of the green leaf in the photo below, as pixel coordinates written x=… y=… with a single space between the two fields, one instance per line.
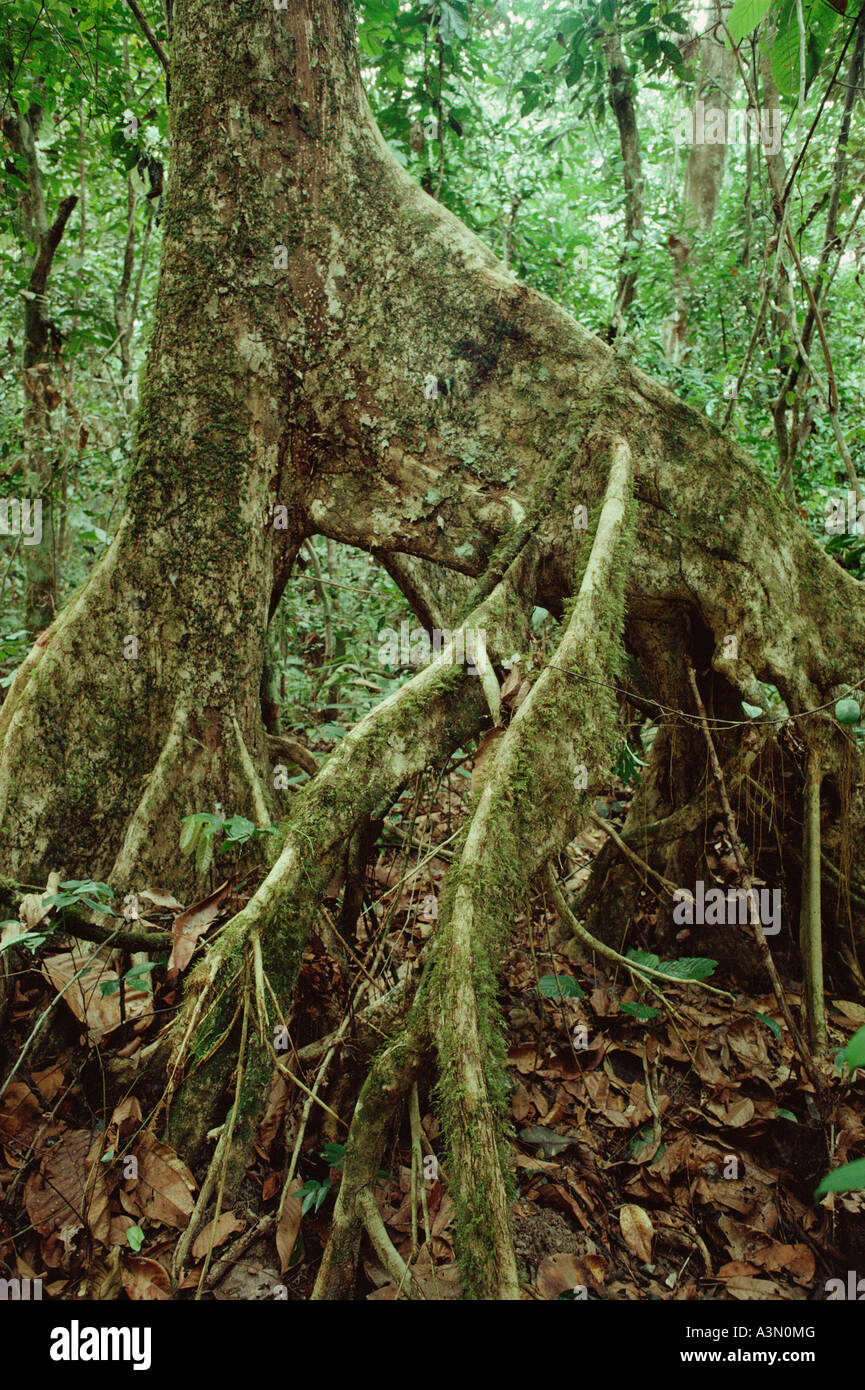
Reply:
x=556 y=986
x=553 y=55
x=745 y=16
x=107 y=1156
x=752 y=711
x=853 y=1053
x=135 y=1236
x=774 y=1028
x=238 y=830
x=644 y=958
x=452 y=25
x=786 y=1115
x=847 y=1179
x=847 y=711
x=331 y=730
x=190 y=829
x=138 y=977
x=688 y=968
x=643 y=1012
x=31 y=939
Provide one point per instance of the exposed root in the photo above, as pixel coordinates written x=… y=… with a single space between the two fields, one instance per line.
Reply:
x=419 y=724
x=520 y=819
x=387 y=1084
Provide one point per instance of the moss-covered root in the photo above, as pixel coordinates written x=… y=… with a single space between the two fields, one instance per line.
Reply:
x=527 y=810
x=385 y=1088
x=420 y=723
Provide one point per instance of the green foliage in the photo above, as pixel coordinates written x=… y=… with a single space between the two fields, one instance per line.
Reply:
x=852 y=1055
x=136 y=977
x=685 y=968
x=136 y=1237
x=849 y=1178
x=315 y=1191
x=628 y=764
x=559 y=987
x=772 y=1025
x=745 y=16
x=642 y=1012
x=200 y=833
x=82 y=892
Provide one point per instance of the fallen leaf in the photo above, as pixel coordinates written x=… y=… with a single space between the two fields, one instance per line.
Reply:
x=68 y=1190
x=30 y=909
x=521 y=1102
x=226 y=1226
x=746 y=1289
x=189 y=926
x=164 y=1186
x=735 y=1113
x=637 y=1231
x=855 y=1013
x=558 y=1274
x=100 y=1012
x=145 y=1280
x=288 y=1229
x=249 y=1280
x=525 y=1057
x=797 y=1260
x=160 y=898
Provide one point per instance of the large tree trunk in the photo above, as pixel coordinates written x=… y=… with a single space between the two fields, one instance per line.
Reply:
x=309 y=289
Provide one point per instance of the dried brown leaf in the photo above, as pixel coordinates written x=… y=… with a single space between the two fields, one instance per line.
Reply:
x=637 y=1231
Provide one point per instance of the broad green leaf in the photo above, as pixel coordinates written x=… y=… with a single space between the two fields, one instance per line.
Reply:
x=204 y=851
x=135 y=1236
x=644 y=958
x=452 y=25
x=190 y=829
x=643 y=1012
x=853 y=1052
x=849 y=1178
x=555 y=986
x=774 y=1028
x=688 y=968
x=745 y=16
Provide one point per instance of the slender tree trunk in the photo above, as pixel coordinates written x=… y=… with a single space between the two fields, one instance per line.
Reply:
x=704 y=175
x=624 y=108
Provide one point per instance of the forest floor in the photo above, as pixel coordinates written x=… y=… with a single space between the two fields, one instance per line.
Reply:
x=661 y=1151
